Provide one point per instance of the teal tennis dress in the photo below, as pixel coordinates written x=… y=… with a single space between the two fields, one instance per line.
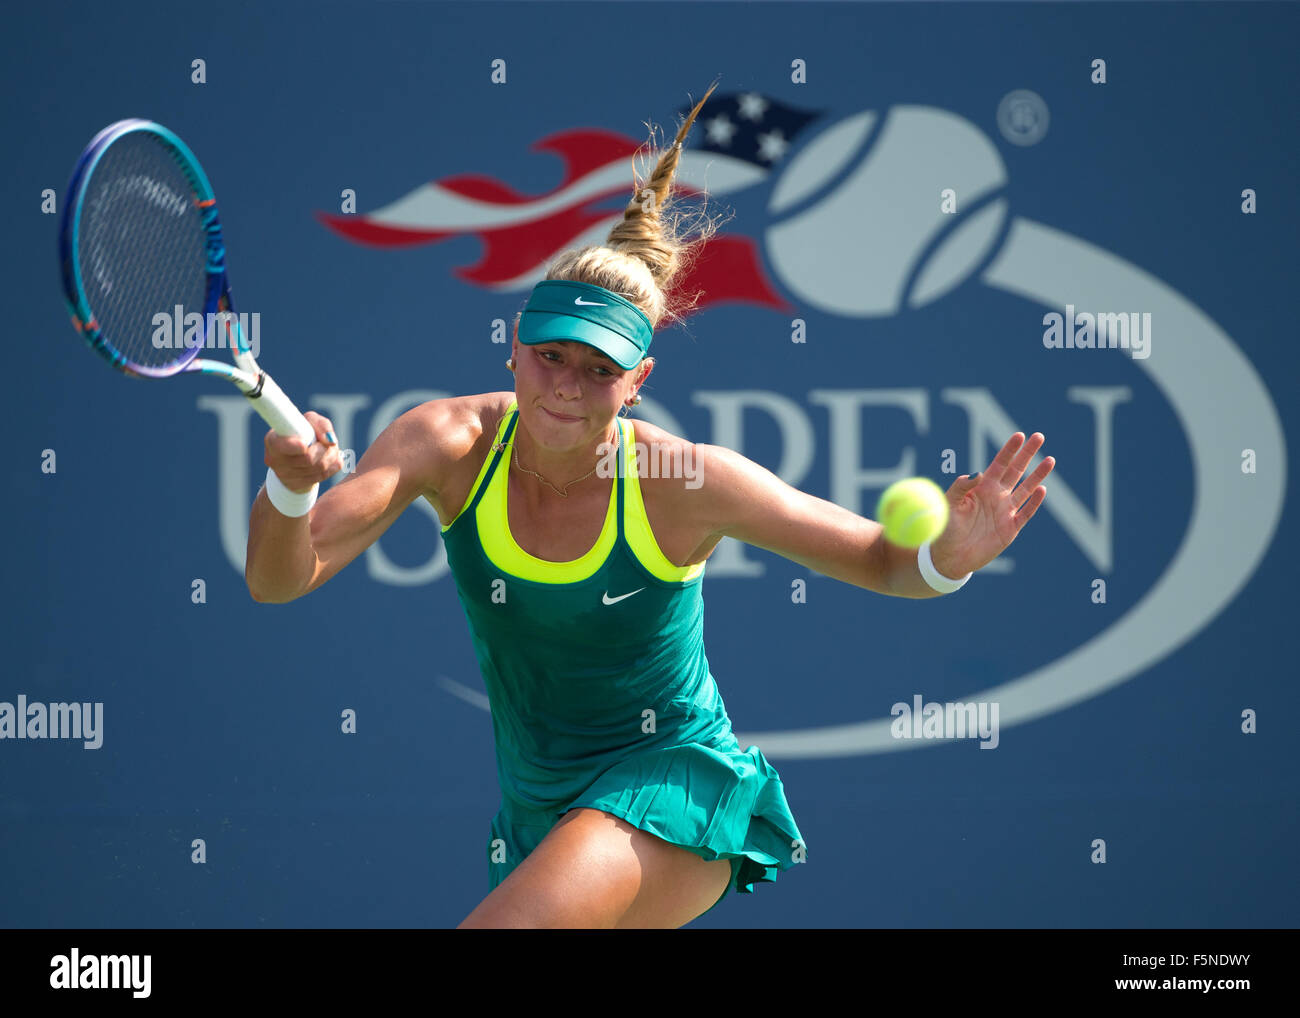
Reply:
x=600 y=690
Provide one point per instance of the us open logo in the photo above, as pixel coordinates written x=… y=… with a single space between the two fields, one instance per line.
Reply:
x=1219 y=399
x=855 y=231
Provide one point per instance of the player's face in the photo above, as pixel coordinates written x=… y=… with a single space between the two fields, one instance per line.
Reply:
x=573 y=390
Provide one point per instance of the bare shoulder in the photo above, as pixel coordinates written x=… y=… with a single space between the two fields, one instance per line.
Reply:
x=656 y=440
x=460 y=421
x=706 y=486
x=680 y=481
x=669 y=467
x=462 y=429
x=457 y=421
x=663 y=443
x=440 y=437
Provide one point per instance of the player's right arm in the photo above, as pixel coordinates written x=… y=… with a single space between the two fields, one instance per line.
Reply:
x=292 y=556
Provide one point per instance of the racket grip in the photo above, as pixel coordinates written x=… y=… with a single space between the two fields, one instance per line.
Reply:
x=279 y=412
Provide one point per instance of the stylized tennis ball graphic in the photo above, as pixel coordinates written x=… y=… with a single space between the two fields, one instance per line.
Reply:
x=852 y=225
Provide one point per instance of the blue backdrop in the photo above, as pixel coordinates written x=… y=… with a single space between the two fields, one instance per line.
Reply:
x=871 y=326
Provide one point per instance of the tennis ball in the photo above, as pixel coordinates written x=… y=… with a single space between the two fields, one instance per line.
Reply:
x=912 y=512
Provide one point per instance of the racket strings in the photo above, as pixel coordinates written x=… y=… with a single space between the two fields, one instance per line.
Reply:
x=143 y=253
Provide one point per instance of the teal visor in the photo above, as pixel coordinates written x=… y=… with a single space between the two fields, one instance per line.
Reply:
x=561 y=310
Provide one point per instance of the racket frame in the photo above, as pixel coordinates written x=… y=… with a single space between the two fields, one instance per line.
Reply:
x=267 y=398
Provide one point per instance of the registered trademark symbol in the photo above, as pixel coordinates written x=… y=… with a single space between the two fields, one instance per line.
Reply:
x=1023 y=117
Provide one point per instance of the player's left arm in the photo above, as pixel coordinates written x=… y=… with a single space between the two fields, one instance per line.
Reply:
x=742 y=499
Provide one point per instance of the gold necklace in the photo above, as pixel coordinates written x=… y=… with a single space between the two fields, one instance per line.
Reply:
x=562 y=494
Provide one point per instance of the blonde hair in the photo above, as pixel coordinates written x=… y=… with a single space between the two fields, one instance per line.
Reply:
x=650 y=246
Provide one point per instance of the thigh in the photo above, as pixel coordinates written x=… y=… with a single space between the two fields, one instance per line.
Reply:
x=594 y=870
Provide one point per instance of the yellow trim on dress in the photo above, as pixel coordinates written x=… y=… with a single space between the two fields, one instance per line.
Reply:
x=501 y=549
x=636 y=525
x=501 y=429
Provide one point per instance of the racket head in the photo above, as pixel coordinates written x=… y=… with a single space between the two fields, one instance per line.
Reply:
x=140 y=235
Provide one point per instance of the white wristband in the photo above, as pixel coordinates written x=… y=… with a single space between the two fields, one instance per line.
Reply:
x=933 y=577
x=289 y=503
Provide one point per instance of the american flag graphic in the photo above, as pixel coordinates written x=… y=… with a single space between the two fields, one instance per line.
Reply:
x=735 y=144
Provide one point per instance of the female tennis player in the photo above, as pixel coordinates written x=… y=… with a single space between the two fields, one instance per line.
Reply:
x=626 y=799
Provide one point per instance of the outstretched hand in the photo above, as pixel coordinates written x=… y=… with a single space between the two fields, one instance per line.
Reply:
x=987 y=510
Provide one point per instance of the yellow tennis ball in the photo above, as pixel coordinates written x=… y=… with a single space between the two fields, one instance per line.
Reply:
x=912 y=512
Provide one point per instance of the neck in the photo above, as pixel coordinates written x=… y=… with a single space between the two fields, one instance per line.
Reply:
x=576 y=466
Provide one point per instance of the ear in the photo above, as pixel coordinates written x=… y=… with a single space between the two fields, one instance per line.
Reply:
x=647 y=366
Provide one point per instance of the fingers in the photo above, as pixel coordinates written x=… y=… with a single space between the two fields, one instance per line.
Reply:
x=1027 y=489
x=1027 y=511
x=1010 y=462
x=297 y=465
x=963 y=484
x=324 y=429
x=1006 y=455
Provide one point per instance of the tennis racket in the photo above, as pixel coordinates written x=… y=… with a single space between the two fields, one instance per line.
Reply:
x=140 y=239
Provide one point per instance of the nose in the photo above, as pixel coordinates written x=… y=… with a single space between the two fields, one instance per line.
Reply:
x=567 y=381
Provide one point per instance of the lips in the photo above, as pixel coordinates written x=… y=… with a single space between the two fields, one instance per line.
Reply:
x=561 y=417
